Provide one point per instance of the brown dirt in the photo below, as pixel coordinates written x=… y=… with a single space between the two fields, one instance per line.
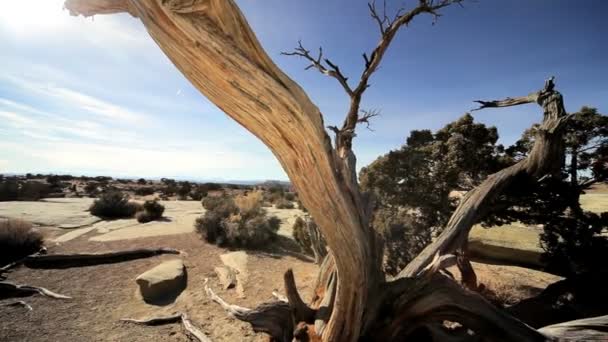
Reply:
x=104 y=294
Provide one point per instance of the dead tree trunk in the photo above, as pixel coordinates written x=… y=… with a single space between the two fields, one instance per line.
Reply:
x=545 y=159
x=210 y=42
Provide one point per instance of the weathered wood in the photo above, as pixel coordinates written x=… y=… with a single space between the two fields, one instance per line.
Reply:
x=60 y=261
x=190 y=328
x=588 y=329
x=273 y=318
x=545 y=158
x=9 y=290
x=19 y=303
x=300 y=311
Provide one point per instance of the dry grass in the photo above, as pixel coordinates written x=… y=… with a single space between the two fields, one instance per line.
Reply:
x=17 y=240
x=250 y=202
x=504 y=292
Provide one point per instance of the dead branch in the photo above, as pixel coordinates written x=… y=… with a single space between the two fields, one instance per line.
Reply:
x=60 y=261
x=20 y=303
x=90 y=8
x=331 y=69
x=190 y=328
x=154 y=320
x=9 y=290
x=367 y=115
x=588 y=329
x=301 y=311
x=388 y=29
x=273 y=318
x=14 y=264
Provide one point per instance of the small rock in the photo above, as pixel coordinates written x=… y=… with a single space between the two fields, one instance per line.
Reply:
x=226 y=276
x=164 y=281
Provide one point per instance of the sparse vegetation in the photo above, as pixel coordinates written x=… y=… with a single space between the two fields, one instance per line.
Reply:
x=17 y=240
x=283 y=203
x=152 y=210
x=238 y=222
x=114 y=204
x=12 y=189
x=144 y=191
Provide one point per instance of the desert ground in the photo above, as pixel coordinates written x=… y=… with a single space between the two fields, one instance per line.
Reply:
x=103 y=295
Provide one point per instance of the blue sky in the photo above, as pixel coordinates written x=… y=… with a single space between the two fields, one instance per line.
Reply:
x=96 y=96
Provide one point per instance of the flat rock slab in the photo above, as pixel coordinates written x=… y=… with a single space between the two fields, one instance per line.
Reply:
x=178 y=218
x=516 y=244
x=287 y=217
x=68 y=214
x=163 y=283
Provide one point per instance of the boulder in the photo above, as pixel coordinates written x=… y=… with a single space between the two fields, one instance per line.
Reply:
x=165 y=281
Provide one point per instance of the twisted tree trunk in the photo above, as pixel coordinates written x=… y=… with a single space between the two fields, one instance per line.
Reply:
x=545 y=159
x=210 y=42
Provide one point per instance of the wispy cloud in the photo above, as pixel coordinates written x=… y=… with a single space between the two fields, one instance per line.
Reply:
x=75 y=99
x=39 y=124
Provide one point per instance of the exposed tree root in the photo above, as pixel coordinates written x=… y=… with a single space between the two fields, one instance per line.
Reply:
x=10 y=290
x=60 y=261
x=588 y=329
x=16 y=263
x=19 y=303
x=273 y=318
x=180 y=317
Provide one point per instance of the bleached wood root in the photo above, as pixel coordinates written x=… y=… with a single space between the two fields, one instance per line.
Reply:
x=190 y=328
x=9 y=290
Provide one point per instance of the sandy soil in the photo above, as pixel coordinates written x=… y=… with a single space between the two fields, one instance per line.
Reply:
x=104 y=294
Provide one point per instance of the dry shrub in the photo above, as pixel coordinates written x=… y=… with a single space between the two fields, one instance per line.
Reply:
x=250 y=202
x=18 y=240
x=238 y=222
x=152 y=210
x=283 y=203
x=114 y=204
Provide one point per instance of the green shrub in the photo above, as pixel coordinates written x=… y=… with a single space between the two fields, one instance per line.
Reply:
x=13 y=190
x=114 y=204
x=152 y=211
x=239 y=222
x=9 y=190
x=144 y=191
x=18 y=240
x=282 y=203
x=33 y=191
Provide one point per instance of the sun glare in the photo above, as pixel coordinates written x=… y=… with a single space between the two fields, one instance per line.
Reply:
x=33 y=16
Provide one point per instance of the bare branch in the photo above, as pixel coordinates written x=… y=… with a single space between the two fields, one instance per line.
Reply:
x=388 y=29
x=367 y=115
x=331 y=69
